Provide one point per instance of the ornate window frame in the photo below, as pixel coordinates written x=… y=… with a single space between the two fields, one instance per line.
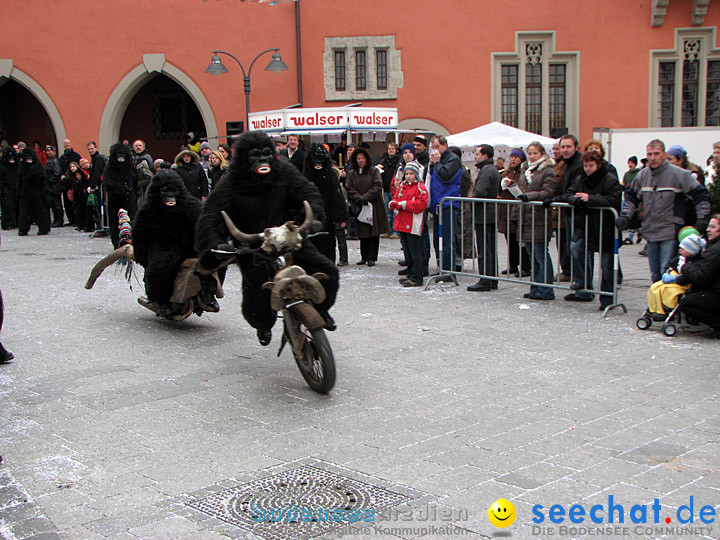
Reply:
x=690 y=43
x=370 y=44
x=537 y=48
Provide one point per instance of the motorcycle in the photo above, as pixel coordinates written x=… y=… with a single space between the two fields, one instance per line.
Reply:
x=194 y=290
x=293 y=296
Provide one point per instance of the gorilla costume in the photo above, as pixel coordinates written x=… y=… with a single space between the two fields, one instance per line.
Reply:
x=9 y=170
x=120 y=182
x=318 y=169
x=33 y=193
x=259 y=191
x=164 y=234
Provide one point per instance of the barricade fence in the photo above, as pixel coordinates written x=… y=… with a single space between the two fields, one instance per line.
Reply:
x=576 y=235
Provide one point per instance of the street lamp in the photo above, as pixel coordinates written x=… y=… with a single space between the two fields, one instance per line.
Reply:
x=216 y=67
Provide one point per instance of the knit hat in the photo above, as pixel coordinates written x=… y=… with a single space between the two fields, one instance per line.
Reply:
x=519 y=153
x=408 y=146
x=677 y=151
x=204 y=145
x=420 y=139
x=693 y=244
x=413 y=166
x=687 y=231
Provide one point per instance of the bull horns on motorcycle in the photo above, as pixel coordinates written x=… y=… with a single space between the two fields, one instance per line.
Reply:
x=124 y=251
x=252 y=238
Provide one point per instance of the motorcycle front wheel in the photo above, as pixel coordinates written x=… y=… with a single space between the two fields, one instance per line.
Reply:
x=318 y=363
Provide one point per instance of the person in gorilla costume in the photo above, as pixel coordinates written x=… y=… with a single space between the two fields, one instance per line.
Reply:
x=120 y=182
x=318 y=169
x=33 y=193
x=257 y=192
x=9 y=170
x=164 y=236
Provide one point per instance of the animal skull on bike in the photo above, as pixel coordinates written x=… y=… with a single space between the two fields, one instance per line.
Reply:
x=287 y=237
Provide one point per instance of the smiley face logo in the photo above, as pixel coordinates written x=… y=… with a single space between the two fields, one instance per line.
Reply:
x=501 y=513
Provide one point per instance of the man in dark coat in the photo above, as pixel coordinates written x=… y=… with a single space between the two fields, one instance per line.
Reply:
x=294 y=153
x=33 y=194
x=187 y=165
x=570 y=150
x=164 y=235
x=9 y=171
x=594 y=187
x=487 y=185
x=257 y=192
x=98 y=162
x=55 y=185
x=120 y=183
x=318 y=169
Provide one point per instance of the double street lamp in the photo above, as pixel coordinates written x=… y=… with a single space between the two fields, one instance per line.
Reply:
x=216 y=67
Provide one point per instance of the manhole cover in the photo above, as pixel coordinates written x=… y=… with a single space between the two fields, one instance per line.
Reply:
x=298 y=504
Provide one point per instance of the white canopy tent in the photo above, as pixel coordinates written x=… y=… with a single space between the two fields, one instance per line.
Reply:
x=501 y=137
x=498 y=134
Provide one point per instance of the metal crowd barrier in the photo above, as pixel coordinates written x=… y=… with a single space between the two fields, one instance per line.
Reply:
x=565 y=215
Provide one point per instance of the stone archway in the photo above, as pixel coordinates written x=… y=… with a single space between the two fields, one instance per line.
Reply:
x=126 y=89
x=10 y=72
x=422 y=124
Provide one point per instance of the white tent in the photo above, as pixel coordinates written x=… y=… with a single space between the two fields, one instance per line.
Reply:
x=498 y=134
x=503 y=138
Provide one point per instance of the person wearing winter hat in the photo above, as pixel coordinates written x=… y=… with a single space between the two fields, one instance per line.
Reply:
x=205 y=152
x=665 y=294
x=677 y=155
x=409 y=203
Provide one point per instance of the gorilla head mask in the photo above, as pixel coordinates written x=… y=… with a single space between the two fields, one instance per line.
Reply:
x=254 y=154
x=167 y=189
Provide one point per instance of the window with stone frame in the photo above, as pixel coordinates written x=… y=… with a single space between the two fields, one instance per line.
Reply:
x=536 y=88
x=361 y=68
x=686 y=81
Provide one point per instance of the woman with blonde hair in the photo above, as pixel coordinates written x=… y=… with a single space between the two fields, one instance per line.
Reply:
x=217 y=168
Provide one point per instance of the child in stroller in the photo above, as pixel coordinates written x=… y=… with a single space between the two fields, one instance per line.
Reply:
x=664 y=295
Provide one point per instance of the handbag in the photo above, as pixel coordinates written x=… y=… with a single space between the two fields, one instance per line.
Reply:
x=92 y=199
x=366 y=214
x=354 y=209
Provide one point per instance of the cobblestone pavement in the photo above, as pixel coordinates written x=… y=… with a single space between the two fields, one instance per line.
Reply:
x=112 y=420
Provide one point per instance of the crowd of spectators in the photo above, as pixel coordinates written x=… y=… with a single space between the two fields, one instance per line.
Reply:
x=654 y=200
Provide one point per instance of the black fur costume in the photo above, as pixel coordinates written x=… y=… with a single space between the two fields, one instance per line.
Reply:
x=164 y=236
x=254 y=202
x=120 y=182
x=327 y=183
x=33 y=193
x=9 y=170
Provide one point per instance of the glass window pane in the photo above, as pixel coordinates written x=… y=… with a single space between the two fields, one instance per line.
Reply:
x=558 y=96
x=712 y=103
x=382 y=70
x=666 y=94
x=509 y=94
x=360 y=66
x=533 y=98
x=339 y=70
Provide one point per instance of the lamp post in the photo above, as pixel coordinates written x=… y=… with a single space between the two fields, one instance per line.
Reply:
x=216 y=67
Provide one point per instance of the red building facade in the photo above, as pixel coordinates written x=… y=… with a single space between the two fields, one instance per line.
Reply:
x=109 y=71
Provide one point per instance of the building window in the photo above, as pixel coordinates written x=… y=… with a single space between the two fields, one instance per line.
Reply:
x=360 y=65
x=371 y=70
x=712 y=104
x=536 y=88
x=381 y=70
x=339 y=70
x=558 y=91
x=533 y=98
x=666 y=90
x=686 y=81
x=509 y=74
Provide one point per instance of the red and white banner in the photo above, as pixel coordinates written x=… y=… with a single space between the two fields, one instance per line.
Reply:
x=328 y=120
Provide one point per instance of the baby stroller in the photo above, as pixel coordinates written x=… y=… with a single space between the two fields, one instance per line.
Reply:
x=670 y=320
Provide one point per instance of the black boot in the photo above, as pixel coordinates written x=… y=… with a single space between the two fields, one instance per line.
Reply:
x=264 y=337
x=329 y=321
x=5 y=355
